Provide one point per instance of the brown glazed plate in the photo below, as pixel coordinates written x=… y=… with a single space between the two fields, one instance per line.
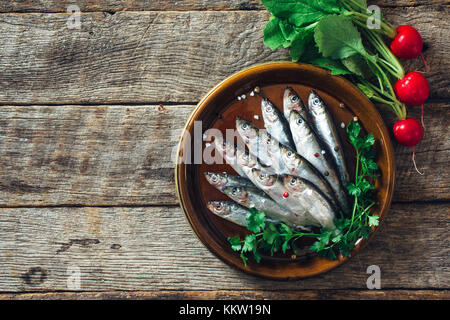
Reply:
x=219 y=108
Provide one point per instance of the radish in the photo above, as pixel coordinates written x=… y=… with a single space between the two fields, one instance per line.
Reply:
x=408 y=44
x=408 y=132
x=413 y=90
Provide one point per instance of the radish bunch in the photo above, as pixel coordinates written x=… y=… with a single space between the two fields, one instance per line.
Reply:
x=412 y=89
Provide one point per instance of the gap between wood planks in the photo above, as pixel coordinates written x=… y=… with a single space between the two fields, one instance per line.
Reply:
x=147 y=103
x=240 y=6
x=394 y=293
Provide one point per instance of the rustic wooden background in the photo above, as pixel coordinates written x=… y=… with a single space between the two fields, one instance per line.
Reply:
x=89 y=117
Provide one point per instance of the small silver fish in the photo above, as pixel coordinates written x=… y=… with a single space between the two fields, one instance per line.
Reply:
x=292 y=101
x=222 y=180
x=255 y=198
x=275 y=123
x=273 y=148
x=230 y=211
x=309 y=147
x=316 y=205
x=326 y=130
x=250 y=134
x=274 y=187
x=300 y=197
x=301 y=167
x=228 y=152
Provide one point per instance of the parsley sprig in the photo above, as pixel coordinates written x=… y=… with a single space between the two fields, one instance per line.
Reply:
x=271 y=237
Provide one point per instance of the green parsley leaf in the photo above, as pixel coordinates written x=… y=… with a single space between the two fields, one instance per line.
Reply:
x=235 y=243
x=270 y=233
x=256 y=220
x=373 y=221
x=353 y=190
x=249 y=243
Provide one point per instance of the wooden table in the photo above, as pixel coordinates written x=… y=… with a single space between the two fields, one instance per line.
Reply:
x=88 y=121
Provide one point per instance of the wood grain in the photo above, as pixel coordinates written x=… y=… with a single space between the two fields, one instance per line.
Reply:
x=122 y=155
x=148 y=57
x=153 y=249
x=138 y=5
x=238 y=295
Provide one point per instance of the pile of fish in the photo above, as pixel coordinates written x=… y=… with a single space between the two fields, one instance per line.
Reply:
x=294 y=170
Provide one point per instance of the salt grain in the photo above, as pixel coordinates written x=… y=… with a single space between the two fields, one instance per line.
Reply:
x=252 y=93
x=342 y=125
x=256 y=117
x=243 y=96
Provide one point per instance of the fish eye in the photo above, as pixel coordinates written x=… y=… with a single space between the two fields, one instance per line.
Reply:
x=293 y=181
x=214 y=178
x=316 y=101
x=294 y=99
x=245 y=125
x=290 y=153
x=299 y=121
x=219 y=206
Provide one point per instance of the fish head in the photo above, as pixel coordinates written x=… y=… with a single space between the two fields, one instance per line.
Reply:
x=315 y=103
x=219 y=208
x=292 y=101
x=238 y=194
x=296 y=120
x=290 y=158
x=262 y=179
x=269 y=111
x=246 y=129
x=216 y=179
x=293 y=184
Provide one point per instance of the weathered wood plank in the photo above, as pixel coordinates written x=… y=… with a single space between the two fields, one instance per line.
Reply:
x=140 y=5
x=153 y=249
x=122 y=155
x=239 y=295
x=144 y=57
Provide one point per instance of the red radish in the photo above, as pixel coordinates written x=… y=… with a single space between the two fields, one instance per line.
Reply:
x=408 y=132
x=408 y=43
x=413 y=89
